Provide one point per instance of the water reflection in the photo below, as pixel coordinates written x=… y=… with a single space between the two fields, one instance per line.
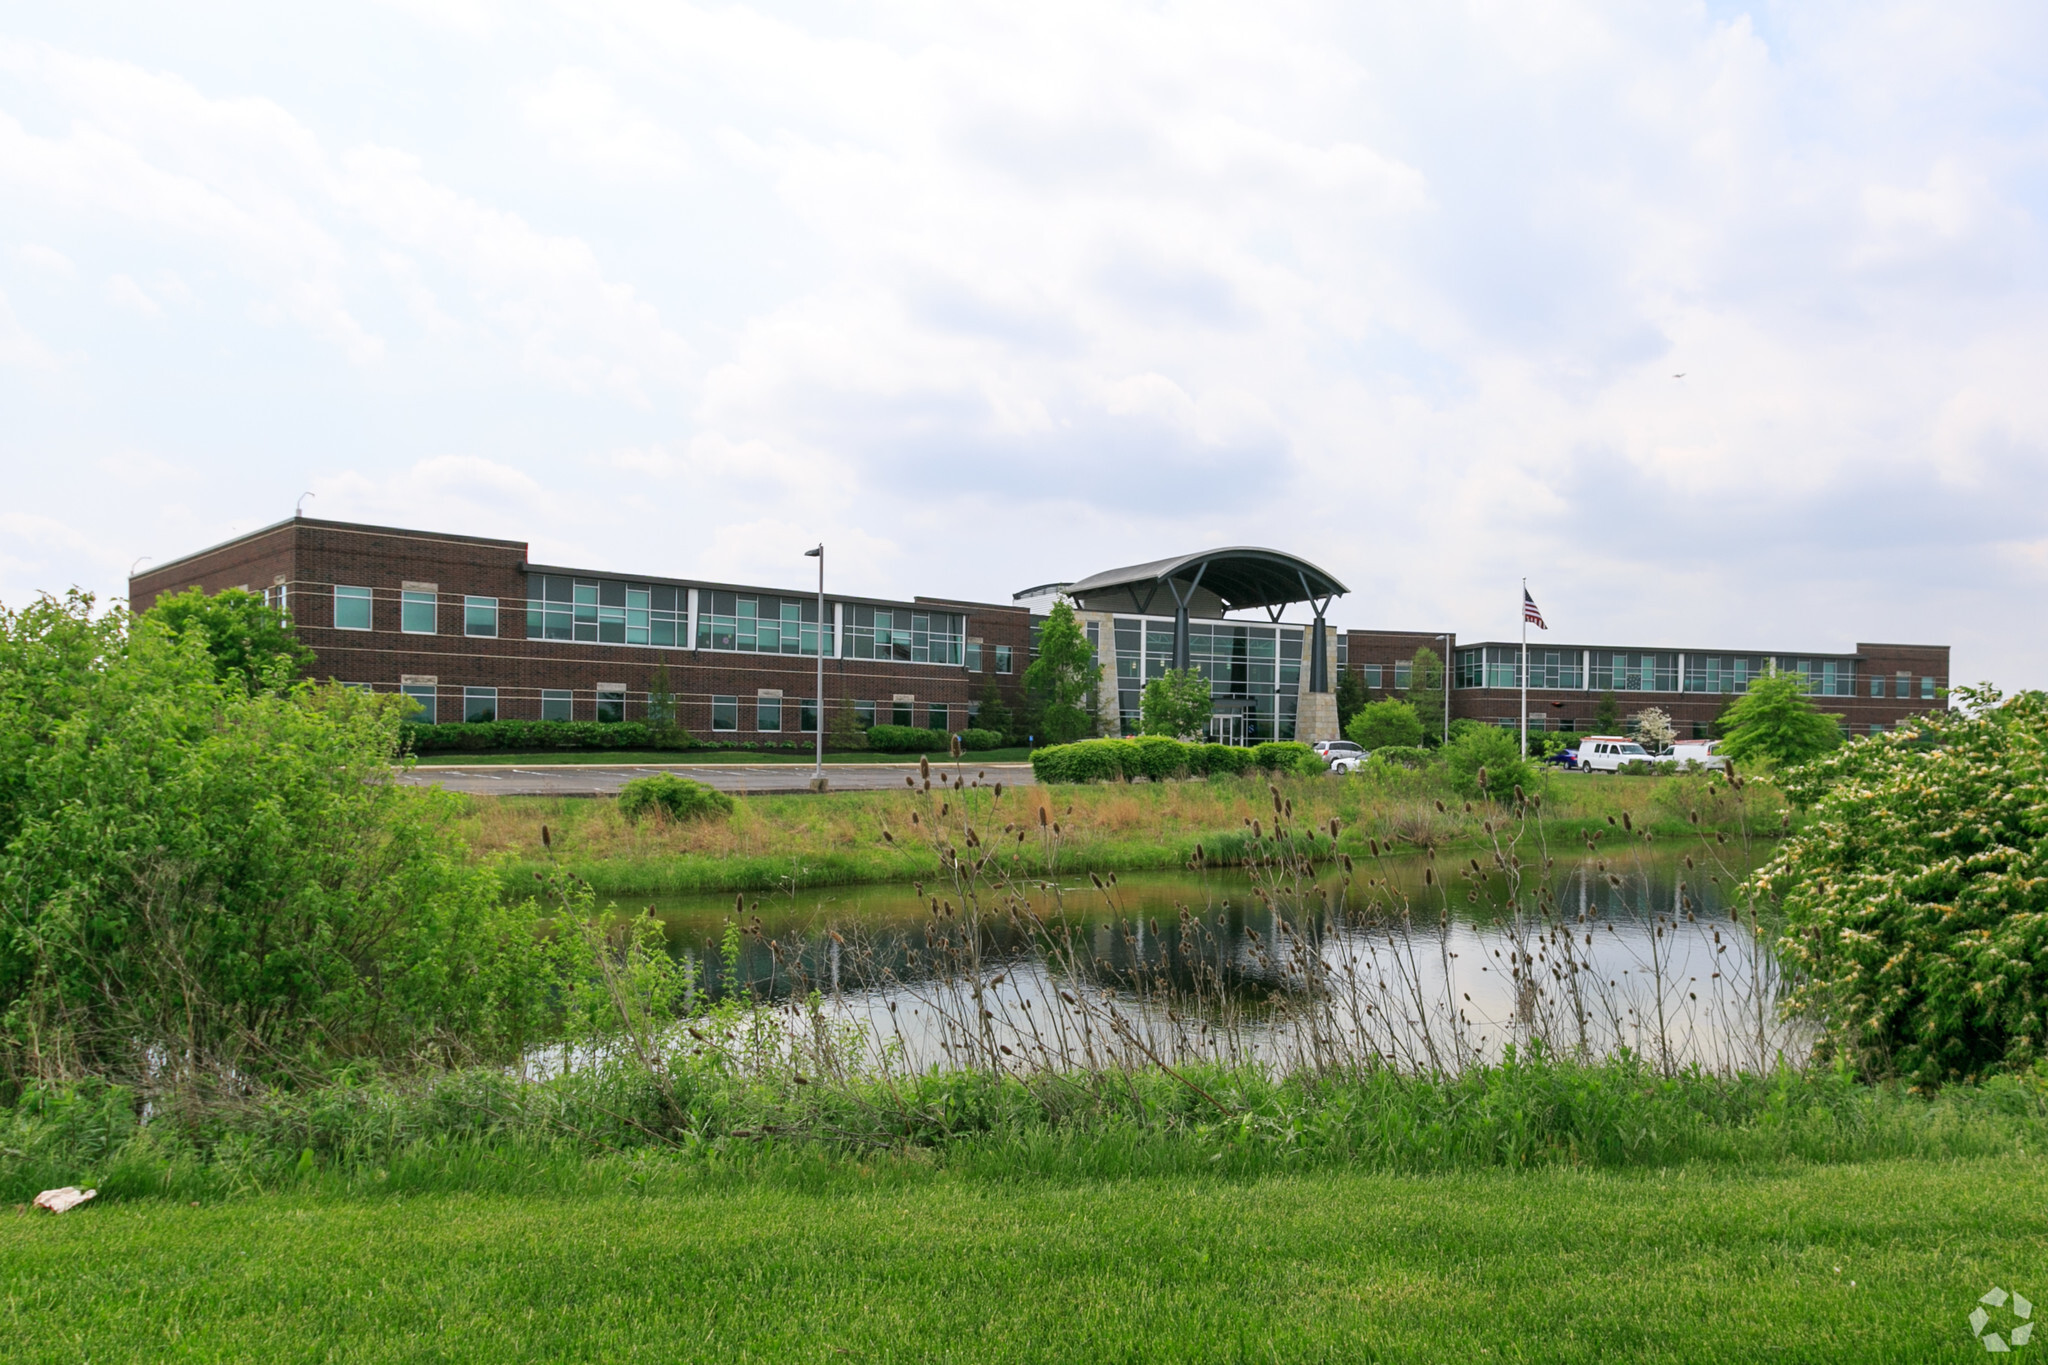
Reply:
x=1409 y=962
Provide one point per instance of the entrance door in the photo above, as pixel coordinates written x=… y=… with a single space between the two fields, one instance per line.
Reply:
x=1227 y=727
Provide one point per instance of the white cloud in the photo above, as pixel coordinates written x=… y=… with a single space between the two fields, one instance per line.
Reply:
x=581 y=119
x=123 y=292
x=46 y=259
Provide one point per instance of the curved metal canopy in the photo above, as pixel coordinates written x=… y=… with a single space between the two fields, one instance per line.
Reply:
x=1242 y=576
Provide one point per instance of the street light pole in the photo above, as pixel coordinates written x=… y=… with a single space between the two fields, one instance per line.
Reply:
x=818 y=703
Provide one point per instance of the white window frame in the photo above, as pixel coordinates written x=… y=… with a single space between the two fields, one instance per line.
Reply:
x=352 y=594
x=408 y=599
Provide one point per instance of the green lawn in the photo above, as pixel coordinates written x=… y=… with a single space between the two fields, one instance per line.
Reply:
x=1858 y=1262
x=688 y=756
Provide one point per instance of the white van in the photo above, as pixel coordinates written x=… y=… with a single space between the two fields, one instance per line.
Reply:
x=1704 y=752
x=1606 y=753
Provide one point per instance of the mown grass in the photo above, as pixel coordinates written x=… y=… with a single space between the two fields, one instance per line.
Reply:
x=883 y=1262
x=773 y=841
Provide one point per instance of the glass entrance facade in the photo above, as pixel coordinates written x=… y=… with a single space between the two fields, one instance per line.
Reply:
x=1254 y=671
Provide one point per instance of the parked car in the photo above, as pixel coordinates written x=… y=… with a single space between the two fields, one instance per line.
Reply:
x=1563 y=758
x=1688 y=751
x=1606 y=753
x=1342 y=755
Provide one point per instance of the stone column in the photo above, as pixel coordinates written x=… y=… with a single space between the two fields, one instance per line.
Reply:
x=1315 y=714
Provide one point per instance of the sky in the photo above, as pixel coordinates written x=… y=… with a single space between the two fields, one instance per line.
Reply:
x=1722 y=324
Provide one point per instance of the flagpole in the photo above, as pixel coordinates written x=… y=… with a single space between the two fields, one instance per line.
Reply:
x=1524 y=604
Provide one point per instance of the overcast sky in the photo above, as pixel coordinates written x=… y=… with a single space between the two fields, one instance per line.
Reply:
x=1722 y=323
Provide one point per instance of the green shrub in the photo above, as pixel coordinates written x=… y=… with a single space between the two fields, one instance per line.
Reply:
x=534 y=736
x=678 y=797
x=1385 y=724
x=1916 y=898
x=1402 y=756
x=1287 y=756
x=908 y=739
x=1223 y=760
x=978 y=741
x=1159 y=758
x=1486 y=760
x=1637 y=767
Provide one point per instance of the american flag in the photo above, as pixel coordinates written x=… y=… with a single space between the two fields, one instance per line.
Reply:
x=1529 y=611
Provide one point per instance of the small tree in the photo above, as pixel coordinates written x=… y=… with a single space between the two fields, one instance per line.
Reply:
x=1426 y=693
x=661 y=705
x=1607 y=715
x=1486 y=760
x=1653 y=730
x=250 y=642
x=1773 y=719
x=994 y=715
x=1175 y=704
x=1064 y=677
x=845 y=733
x=1351 y=697
x=1381 y=724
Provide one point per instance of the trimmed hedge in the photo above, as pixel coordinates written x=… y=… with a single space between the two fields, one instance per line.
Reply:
x=908 y=739
x=1158 y=758
x=529 y=735
x=977 y=740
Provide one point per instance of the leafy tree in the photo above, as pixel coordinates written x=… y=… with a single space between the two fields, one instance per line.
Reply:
x=251 y=643
x=1653 y=730
x=1351 y=697
x=1607 y=715
x=994 y=715
x=1774 y=719
x=1916 y=898
x=1381 y=724
x=1487 y=760
x=1426 y=693
x=661 y=705
x=225 y=881
x=1063 y=677
x=1176 y=704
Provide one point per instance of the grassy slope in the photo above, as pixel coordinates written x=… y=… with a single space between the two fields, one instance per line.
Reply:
x=900 y=1265
x=1104 y=828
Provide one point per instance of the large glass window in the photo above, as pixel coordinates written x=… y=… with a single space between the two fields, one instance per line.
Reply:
x=1725 y=673
x=607 y=611
x=351 y=608
x=768 y=713
x=1003 y=653
x=479 y=704
x=1616 y=670
x=899 y=713
x=864 y=714
x=1469 y=668
x=1372 y=676
x=611 y=707
x=1404 y=673
x=1927 y=689
x=974 y=656
x=759 y=624
x=557 y=705
x=907 y=636
x=480 y=616
x=807 y=715
x=1824 y=677
x=725 y=713
x=423 y=697
x=1877 y=684
x=937 y=716
x=416 y=613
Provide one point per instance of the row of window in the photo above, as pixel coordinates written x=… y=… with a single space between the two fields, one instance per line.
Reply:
x=610 y=612
x=1608 y=670
x=480 y=704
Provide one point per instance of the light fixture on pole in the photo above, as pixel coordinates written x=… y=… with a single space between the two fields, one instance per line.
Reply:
x=818 y=701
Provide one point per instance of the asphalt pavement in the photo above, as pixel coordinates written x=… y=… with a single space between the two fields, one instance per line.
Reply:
x=741 y=779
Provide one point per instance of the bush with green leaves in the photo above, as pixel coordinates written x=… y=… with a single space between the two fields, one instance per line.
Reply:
x=1385 y=724
x=1402 y=756
x=250 y=642
x=676 y=797
x=975 y=739
x=909 y=739
x=538 y=736
x=1159 y=758
x=1486 y=760
x=1288 y=756
x=198 y=879
x=1916 y=895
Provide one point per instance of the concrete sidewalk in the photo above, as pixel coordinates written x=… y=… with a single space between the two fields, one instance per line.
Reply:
x=741 y=779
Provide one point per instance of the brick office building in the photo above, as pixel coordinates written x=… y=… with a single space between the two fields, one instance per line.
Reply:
x=1872 y=688
x=472 y=630
x=469 y=628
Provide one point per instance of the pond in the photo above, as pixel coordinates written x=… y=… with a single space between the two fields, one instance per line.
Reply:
x=1424 y=961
